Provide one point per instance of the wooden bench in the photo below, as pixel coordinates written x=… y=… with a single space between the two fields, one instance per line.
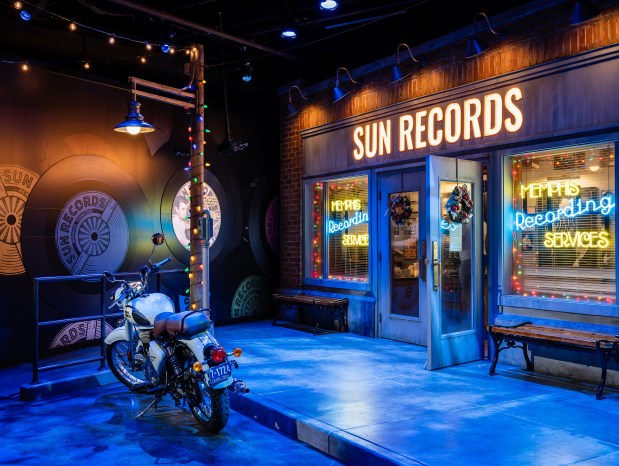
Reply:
x=335 y=308
x=604 y=344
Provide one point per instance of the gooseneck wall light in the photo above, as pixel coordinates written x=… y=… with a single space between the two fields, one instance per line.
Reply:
x=290 y=108
x=474 y=46
x=583 y=12
x=397 y=72
x=339 y=91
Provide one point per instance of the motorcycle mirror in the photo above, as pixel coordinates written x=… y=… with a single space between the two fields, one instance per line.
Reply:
x=158 y=239
x=109 y=277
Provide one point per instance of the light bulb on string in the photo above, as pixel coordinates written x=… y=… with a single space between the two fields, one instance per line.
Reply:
x=148 y=46
x=112 y=39
x=25 y=67
x=142 y=60
x=18 y=5
x=72 y=26
x=23 y=14
x=86 y=65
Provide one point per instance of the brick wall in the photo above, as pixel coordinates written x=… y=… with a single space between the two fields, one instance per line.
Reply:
x=529 y=41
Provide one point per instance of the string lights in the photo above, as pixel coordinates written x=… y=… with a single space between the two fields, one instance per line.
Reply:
x=111 y=37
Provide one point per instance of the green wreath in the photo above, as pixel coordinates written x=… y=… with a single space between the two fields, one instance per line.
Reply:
x=399 y=209
x=459 y=206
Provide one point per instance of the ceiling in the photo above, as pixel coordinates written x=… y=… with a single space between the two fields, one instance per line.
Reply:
x=356 y=33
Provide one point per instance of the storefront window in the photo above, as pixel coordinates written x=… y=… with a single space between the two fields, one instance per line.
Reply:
x=564 y=224
x=340 y=239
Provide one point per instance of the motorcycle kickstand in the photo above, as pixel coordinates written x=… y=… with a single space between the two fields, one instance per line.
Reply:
x=154 y=404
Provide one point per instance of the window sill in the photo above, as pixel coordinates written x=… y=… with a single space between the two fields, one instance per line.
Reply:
x=343 y=284
x=564 y=305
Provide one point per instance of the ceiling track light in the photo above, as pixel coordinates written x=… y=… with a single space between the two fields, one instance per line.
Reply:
x=582 y=12
x=474 y=46
x=290 y=108
x=397 y=73
x=339 y=91
x=329 y=5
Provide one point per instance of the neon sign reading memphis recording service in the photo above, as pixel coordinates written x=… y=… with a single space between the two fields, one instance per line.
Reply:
x=359 y=218
x=575 y=208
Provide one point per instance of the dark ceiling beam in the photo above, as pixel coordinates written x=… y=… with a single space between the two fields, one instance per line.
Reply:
x=199 y=27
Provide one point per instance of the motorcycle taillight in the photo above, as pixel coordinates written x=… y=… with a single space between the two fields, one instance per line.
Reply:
x=218 y=354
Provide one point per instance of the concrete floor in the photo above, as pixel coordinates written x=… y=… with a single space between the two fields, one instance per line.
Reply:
x=363 y=401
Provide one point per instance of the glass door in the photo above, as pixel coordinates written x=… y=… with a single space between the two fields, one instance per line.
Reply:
x=402 y=201
x=454 y=289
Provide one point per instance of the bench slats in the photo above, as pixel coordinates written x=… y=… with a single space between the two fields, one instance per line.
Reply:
x=604 y=344
x=539 y=332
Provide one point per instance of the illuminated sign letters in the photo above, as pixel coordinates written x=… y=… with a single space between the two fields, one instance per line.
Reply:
x=472 y=119
x=357 y=219
x=574 y=209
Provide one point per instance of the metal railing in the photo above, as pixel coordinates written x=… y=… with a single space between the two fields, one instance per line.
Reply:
x=102 y=316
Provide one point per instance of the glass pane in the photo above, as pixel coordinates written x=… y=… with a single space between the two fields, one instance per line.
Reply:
x=456 y=269
x=564 y=228
x=405 y=265
x=315 y=266
x=347 y=229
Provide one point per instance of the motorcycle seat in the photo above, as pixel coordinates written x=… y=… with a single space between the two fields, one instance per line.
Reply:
x=184 y=324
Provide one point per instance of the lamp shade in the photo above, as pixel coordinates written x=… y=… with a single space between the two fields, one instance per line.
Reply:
x=134 y=122
x=474 y=47
x=583 y=12
x=291 y=109
x=397 y=74
x=340 y=91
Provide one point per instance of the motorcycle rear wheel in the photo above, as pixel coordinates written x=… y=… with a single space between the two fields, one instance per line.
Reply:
x=117 y=355
x=210 y=407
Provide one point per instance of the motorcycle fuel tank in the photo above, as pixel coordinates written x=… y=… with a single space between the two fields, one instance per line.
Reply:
x=143 y=310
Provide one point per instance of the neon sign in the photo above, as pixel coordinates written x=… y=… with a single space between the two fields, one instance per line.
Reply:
x=557 y=188
x=574 y=209
x=355 y=240
x=358 y=219
x=348 y=204
x=578 y=239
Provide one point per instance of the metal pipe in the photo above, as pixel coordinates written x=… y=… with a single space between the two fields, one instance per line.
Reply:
x=199 y=27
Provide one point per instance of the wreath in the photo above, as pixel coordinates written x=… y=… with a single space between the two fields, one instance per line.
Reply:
x=399 y=209
x=459 y=206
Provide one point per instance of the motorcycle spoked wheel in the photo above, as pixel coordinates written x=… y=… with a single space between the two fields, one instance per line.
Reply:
x=209 y=406
x=117 y=355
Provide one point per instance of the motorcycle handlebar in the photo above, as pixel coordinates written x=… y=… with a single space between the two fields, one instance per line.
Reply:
x=162 y=263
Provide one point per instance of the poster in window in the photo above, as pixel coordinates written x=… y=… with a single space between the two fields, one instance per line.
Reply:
x=410 y=249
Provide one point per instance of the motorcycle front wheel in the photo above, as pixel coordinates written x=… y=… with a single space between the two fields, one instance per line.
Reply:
x=210 y=407
x=118 y=359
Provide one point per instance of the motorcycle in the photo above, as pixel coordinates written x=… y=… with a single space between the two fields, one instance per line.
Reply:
x=159 y=352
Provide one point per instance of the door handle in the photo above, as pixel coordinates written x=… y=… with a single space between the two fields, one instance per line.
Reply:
x=436 y=266
x=423 y=262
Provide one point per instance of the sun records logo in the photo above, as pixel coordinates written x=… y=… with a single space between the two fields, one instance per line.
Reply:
x=16 y=183
x=91 y=233
x=250 y=297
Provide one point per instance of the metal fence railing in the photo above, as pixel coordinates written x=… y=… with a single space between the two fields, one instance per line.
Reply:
x=102 y=316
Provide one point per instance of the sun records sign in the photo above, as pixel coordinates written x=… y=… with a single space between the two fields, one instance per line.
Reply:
x=473 y=119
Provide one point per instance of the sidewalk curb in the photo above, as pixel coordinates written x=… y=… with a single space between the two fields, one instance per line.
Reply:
x=339 y=444
x=44 y=389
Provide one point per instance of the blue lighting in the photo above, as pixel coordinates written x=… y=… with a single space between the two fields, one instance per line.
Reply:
x=289 y=33
x=165 y=48
x=25 y=15
x=329 y=5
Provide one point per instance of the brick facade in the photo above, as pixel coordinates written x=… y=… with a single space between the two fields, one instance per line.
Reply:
x=528 y=41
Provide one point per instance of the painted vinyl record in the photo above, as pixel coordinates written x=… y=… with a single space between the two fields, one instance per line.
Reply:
x=16 y=183
x=251 y=297
x=263 y=225
x=85 y=215
x=222 y=204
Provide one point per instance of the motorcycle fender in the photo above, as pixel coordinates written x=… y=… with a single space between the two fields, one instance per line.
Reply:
x=116 y=335
x=196 y=346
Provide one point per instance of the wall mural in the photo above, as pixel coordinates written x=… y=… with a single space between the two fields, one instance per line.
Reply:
x=251 y=298
x=180 y=212
x=79 y=332
x=92 y=233
x=16 y=183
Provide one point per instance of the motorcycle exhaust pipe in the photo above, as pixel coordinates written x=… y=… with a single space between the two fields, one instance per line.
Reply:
x=238 y=387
